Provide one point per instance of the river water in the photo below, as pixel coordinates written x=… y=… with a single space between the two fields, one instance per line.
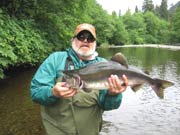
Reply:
x=141 y=113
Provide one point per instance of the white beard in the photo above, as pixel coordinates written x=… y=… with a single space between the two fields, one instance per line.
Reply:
x=91 y=54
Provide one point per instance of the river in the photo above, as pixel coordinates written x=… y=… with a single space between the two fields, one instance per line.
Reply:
x=141 y=113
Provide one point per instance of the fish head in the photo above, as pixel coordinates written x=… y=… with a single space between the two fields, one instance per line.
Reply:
x=72 y=80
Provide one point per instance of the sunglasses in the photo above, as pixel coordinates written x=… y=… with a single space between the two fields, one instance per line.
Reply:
x=82 y=36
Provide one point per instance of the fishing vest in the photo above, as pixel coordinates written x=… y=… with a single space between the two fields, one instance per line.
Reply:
x=78 y=115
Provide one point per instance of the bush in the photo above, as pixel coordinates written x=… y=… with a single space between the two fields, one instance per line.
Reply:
x=20 y=43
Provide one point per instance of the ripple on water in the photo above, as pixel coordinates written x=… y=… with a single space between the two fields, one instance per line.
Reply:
x=142 y=113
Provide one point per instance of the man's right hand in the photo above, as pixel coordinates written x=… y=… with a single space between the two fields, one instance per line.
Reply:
x=61 y=89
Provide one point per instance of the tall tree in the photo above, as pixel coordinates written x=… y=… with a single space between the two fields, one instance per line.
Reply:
x=175 y=24
x=136 y=9
x=119 y=33
x=163 y=11
x=148 y=6
x=152 y=27
x=135 y=27
x=119 y=12
x=157 y=10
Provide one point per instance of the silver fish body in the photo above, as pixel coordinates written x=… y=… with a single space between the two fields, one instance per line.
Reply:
x=95 y=77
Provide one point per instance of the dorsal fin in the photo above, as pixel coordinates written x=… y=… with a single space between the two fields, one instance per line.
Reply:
x=120 y=58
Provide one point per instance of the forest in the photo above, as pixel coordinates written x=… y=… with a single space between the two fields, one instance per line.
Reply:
x=32 y=29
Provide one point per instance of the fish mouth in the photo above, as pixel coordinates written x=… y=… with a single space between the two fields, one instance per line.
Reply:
x=78 y=82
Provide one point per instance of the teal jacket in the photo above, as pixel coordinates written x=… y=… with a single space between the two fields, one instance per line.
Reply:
x=45 y=78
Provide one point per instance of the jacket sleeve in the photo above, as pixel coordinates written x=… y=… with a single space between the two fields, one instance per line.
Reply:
x=109 y=102
x=45 y=78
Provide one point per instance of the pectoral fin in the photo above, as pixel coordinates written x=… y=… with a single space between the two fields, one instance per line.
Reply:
x=136 y=87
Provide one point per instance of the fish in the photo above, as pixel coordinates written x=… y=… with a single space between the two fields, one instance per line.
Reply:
x=95 y=76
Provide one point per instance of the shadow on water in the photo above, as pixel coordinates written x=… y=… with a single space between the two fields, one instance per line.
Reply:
x=18 y=115
x=141 y=113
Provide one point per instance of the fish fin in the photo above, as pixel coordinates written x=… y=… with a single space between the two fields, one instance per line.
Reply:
x=120 y=58
x=136 y=87
x=160 y=85
x=146 y=72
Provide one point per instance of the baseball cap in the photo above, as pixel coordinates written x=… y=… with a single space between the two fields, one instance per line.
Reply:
x=85 y=26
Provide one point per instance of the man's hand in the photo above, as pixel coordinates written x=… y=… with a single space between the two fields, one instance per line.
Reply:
x=115 y=86
x=61 y=89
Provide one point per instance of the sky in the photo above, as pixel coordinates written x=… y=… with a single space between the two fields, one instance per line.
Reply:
x=124 y=5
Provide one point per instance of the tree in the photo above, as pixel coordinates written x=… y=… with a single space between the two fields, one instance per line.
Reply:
x=136 y=9
x=175 y=23
x=148 y=6
x=119 y=12
x=163 y=32
x=102 y=21
x=156 y=29
x=19 y=8
x=119 y=33
x=48 y=25
x=157 y=10
x=135 y=26
x=163 y=11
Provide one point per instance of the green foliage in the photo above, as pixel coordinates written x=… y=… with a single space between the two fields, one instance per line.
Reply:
x=163 y=32
x=19 y=8
x=175 y=27
x=31 y=29
x=135 y=26
x=20 y=43
x=103 y=23
x=120 y=35
x=148 y=6
x=57 y=19
x=163 y=10
x=156 y=29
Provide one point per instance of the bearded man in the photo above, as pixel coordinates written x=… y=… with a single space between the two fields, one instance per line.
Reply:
x=68 y=111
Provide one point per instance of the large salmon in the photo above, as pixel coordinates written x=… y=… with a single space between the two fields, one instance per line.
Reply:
x=95 y=76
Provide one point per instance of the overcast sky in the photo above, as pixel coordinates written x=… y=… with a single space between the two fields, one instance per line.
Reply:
x=123 y=5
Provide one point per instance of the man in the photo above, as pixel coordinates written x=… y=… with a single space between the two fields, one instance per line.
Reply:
x=67 y=111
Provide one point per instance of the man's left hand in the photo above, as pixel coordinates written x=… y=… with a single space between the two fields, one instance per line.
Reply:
x=116 y=86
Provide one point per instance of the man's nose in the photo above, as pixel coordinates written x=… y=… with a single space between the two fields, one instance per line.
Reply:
x=85 y=40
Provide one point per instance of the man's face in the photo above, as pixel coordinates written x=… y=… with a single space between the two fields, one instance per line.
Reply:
x=84 y=44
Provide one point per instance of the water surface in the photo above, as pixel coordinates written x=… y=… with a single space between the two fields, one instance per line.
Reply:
x=141 y=113
x=18 y=114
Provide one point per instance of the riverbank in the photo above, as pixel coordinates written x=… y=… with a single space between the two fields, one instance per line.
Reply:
x=172 y=47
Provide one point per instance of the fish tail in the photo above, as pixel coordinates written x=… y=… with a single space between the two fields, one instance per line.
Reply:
x=159 y=86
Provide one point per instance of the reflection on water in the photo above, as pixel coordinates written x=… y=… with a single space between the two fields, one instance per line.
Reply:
x=18 y=115
x=143 y=113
